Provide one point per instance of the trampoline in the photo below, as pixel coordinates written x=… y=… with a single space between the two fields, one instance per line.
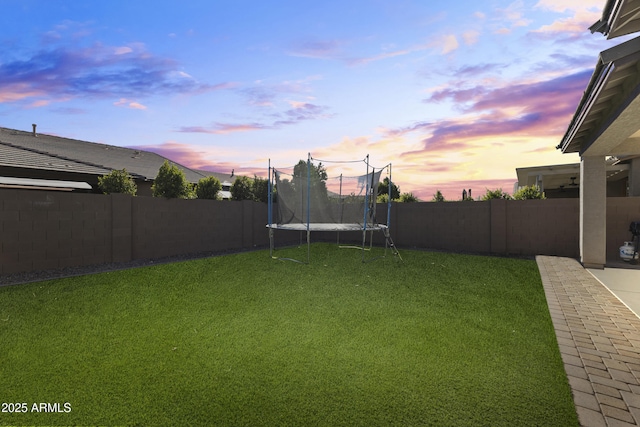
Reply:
x=312 y=197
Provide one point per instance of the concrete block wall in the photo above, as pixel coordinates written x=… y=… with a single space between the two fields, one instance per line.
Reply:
x=46 y=230
x=43 y=230
x=168 y=227
x=451 y=226
x=543 y=227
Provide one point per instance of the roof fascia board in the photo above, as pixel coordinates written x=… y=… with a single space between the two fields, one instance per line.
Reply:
x=595 y=86
x=620 y=51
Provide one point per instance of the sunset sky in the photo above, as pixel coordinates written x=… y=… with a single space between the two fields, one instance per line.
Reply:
x=455 y=94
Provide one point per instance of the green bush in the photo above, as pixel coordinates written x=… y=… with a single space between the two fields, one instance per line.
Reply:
x=117 y=181
x=260 y=189
x=409 y=198
x=171 y=183
x=438 y=197
x=383 y=198
x=496 y=194
x=242 y=189
x=208 y=188
x=527 y=193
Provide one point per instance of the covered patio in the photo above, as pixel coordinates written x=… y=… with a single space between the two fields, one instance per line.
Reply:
x=607 y=123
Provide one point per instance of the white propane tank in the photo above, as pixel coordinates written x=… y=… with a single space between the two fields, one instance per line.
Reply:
x=626 y=251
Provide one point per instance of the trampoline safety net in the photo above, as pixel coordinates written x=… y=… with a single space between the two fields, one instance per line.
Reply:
x=306 y=197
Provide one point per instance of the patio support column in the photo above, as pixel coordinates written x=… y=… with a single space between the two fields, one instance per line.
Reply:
x=634 y=177
x=593 y=211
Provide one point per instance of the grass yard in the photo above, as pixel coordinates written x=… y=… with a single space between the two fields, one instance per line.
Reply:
x=441 y=339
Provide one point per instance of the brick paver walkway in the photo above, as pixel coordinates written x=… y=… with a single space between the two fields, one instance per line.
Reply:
x=599 y=340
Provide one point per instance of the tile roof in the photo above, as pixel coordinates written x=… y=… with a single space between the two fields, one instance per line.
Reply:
x=13 y=156
x=23 y=149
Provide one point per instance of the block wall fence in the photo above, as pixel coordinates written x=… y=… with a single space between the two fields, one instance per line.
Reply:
x=42 y=230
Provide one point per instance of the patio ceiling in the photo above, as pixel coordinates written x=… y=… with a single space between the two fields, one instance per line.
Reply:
x=619 y=18
x=606 y=120
x=565 y=176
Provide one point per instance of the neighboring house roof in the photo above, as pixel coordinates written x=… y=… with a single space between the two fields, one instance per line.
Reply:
x=619 y=18
x=19 y=157
x=606 y=120
x=49 y=152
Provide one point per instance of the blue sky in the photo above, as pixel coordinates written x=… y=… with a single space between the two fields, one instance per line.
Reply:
x=454 y=94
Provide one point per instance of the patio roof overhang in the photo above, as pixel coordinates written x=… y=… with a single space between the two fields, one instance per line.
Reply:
x=566 y=175
x=607 y=121
x=619 y=18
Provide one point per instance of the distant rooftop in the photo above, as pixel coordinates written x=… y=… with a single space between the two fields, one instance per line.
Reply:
x=33 y=150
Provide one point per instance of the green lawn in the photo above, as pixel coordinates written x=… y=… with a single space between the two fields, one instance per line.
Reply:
x=439 y=339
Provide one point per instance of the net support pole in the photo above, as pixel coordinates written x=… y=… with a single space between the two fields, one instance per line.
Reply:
x=270 y=207
x=308 y=208
x=389 y=200
x=366 y=209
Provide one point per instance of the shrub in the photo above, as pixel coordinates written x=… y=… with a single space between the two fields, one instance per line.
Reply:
x=208 y=188
x=117 y=181
x=409 y=198
x=242 y=189
x=171 y=183
x=260 y=189
x=496 y=194
x=527 y=193
x=383 y=198
x=438 y=197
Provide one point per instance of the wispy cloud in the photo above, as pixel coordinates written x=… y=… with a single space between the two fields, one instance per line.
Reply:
x=300 y=111
x=318 y=49
x=511 y=17
x=224 y=128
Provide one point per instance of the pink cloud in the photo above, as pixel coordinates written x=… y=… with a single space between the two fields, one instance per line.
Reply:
x=569 y=28
x=123 y=102
x=198 y=159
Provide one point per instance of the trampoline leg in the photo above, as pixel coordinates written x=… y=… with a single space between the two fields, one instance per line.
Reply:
x=271 y=242
x=389 y=242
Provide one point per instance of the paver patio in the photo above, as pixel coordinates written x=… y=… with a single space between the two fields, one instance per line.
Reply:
x=599 y=341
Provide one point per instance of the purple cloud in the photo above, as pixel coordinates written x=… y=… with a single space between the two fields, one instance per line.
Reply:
x=544 y=107
x=96 y=71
